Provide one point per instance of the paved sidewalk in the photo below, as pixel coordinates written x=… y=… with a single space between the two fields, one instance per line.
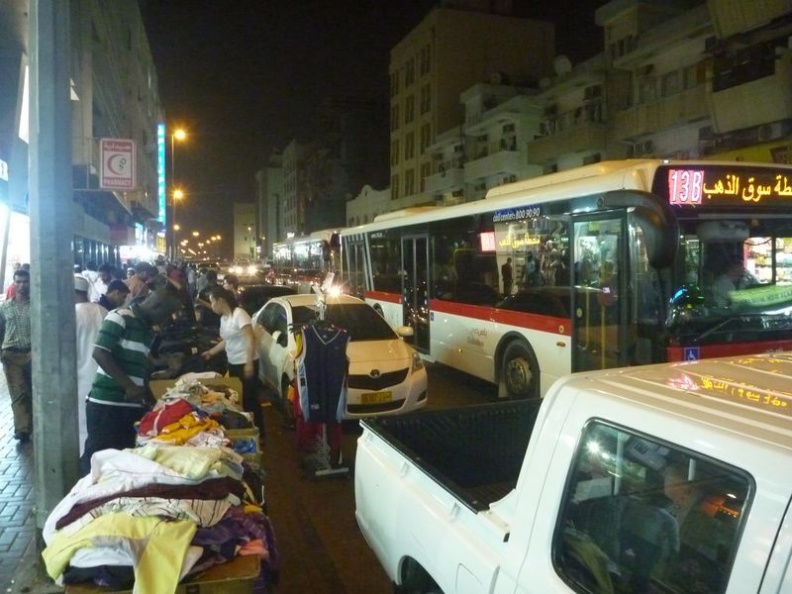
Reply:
x=19 y=568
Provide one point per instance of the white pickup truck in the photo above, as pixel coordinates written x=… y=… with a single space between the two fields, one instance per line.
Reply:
x=673 y=478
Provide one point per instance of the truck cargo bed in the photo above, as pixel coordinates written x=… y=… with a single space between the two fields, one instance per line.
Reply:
x=474 y=452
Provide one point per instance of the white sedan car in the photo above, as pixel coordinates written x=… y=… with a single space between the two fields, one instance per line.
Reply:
x=386 y=375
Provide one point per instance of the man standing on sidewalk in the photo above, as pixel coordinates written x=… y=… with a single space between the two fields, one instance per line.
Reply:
x=120 y=396
x=15 y=354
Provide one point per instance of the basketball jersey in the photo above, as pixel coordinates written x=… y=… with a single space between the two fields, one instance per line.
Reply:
x=321 y=367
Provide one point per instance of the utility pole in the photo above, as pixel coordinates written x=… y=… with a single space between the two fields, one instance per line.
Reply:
x=52 y=277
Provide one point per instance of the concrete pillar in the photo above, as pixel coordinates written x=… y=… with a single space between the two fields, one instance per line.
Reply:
x=51 y=230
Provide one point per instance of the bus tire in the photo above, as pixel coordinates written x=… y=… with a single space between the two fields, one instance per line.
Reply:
x=519 y=372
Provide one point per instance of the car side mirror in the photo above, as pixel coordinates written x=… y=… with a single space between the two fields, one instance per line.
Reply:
x=281 y=338
x=405 y=331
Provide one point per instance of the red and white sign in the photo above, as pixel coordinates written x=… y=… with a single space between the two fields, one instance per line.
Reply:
x=118 y=164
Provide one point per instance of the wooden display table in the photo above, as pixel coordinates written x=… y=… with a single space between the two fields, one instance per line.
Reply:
x=235 y=577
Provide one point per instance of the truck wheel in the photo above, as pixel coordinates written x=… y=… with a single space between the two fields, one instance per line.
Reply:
x=416 y=581
x=519 y=373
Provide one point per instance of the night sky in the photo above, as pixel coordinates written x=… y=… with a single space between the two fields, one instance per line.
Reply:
x=245 y=77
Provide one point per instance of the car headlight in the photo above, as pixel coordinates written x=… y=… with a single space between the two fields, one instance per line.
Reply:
x=417 y=362
x=251 y=270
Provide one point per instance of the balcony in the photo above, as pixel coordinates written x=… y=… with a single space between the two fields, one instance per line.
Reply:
x=489 y=163
x=732 y=17
x=445 y=181
x=583 y=136
x=769 y=98
x=669 y=112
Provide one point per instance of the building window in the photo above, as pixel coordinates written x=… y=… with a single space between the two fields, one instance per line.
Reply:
x=647 y=90
x=426 y=137
x=394 y=187
x=670 y=84
x=409 y=182
x=394 y=83
x=409 y=72
x=426 y=99
x=409 y=109
x=409 y=146
x=426 y=60
x=426 y=171
x=394 y=153
x=394 y=117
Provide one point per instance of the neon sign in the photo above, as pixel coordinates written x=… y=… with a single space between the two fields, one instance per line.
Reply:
x=720 y=185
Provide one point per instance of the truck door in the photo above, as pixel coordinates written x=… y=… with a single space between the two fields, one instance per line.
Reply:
x=415 y=302
x=600 y=332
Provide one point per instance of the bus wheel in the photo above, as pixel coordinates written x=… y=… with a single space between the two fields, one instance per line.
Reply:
x=519 y=376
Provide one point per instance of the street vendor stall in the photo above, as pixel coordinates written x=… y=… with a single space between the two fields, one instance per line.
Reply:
x=183 y=511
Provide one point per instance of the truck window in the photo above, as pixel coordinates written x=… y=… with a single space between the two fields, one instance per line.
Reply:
x=640 y=515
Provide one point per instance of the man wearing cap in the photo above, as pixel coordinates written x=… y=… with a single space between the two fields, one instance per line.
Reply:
x=88 y=317
x=15 y=355
x=115 y=296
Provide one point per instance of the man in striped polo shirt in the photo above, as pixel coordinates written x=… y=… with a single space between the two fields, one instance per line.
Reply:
x=120 y=396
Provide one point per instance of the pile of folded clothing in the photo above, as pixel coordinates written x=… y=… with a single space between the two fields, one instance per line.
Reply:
x=179 y=503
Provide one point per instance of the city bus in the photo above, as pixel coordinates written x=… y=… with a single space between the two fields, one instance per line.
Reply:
x=303 y=262
x=613 y=264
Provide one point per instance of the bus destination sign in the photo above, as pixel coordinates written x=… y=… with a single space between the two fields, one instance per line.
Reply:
x=720 y=185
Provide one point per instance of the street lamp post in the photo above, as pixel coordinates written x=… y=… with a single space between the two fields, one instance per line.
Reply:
x=180 y=135
x=178 y=194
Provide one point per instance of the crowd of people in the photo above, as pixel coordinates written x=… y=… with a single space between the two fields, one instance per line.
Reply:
x=118 y=312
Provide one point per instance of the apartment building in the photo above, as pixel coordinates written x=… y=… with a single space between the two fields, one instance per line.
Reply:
x=453 y=48
x=114 y=94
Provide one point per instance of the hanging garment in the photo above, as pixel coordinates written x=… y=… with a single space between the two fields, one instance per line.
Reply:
x=321 y=366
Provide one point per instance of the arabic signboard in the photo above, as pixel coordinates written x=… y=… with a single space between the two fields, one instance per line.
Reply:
x=118 y=164
x=701 y=185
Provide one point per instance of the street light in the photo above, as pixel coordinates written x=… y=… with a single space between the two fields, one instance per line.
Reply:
x=180 y=135
x=178 y=194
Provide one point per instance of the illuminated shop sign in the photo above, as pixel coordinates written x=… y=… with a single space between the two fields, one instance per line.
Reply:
x=720 y=185
x=161 y=183
x=516 y=214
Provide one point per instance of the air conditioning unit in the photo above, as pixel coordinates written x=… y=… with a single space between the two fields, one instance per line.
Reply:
x=770 y=131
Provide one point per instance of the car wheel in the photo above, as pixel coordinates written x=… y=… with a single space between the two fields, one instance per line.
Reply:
x=519 y=373
x=287 y=406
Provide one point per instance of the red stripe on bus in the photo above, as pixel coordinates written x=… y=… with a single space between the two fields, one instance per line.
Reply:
x=733 y=348
x=382 y=296
x=516 y=319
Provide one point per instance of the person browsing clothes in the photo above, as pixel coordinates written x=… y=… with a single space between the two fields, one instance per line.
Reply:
x=239 y=344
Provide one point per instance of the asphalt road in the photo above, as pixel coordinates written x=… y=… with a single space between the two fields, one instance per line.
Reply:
x=321 y=548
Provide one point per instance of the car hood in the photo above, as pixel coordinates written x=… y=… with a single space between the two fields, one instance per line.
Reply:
x=386 y=355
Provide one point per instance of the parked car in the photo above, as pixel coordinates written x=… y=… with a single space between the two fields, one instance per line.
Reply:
x=252 y=298
x=386 y=375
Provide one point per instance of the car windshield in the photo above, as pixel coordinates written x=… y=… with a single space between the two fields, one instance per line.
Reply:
x=360 y=320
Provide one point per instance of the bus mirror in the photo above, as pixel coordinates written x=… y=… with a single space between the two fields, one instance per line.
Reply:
x=656 y=220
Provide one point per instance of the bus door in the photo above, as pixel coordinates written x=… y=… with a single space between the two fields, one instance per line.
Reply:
x=355 y=270
x=415 y=301
x=599 y=303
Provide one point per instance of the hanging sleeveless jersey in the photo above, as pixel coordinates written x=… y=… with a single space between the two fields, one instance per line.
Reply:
x=321 y=367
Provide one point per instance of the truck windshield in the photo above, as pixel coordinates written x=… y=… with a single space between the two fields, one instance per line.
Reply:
x=641 y=515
